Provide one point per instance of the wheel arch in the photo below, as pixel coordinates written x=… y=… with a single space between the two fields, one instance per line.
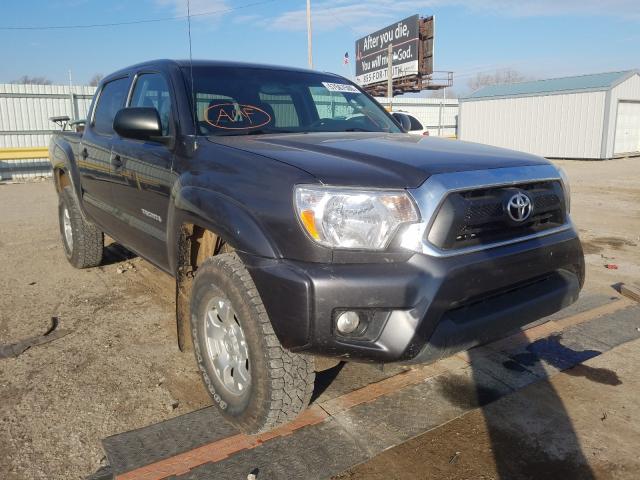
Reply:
x=65 y=170
x=204 y=224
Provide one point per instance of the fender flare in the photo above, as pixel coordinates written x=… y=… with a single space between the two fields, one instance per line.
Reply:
x=66 y=161
x=223 y=216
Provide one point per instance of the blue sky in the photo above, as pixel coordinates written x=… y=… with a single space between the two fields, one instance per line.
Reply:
x=541 y=38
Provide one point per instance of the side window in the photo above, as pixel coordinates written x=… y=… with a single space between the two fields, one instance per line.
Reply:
x=415 y=124
x=110 y=101
x=152 y=90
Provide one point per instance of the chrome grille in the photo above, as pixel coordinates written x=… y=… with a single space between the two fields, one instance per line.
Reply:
x=478 y=216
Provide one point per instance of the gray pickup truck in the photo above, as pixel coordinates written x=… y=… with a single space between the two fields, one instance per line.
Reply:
x=301 y=221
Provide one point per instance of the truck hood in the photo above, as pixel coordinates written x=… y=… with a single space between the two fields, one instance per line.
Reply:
x=376 y=159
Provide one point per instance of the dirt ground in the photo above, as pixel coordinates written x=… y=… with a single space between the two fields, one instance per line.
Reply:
x=606 y=209
x=118 y=367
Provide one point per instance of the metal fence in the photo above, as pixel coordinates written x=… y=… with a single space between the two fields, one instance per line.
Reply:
x=25 y=128
x=438 y=115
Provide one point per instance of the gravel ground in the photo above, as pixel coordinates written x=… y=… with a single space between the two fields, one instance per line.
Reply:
x=118 y=368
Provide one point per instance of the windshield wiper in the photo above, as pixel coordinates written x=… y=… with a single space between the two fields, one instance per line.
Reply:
x=267 y=132
x=356 y=129
x=261 y=131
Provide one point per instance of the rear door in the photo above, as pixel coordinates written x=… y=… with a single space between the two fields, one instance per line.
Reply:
x=144 y=175
x=95 y=160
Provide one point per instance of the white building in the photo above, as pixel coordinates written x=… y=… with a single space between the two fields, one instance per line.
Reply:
x=589 y=116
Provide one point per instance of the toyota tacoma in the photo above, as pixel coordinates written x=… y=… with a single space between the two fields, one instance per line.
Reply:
x=301 y=222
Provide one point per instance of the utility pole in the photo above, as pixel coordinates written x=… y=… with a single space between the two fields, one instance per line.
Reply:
x=444 y=95
x=310 y=50
x=390 y=76
x=72 y=99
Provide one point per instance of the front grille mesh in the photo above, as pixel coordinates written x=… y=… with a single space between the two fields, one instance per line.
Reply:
x=479 y=216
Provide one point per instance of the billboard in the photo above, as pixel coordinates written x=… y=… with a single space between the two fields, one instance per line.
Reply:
x=372 y=52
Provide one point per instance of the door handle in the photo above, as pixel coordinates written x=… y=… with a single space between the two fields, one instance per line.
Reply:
x=116 y=161
x=85 y=153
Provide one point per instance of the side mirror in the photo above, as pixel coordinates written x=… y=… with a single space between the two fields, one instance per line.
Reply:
x=403 y=120
x=139 y=123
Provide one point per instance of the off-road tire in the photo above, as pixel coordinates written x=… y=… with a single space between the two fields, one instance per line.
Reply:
x=87 y=246
x=281 y=382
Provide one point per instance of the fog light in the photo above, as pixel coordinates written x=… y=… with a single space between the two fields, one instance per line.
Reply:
x=348 y=322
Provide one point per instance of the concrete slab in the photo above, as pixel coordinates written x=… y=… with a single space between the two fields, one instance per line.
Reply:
x=501 y=367
x=313 y=453
x=134 y=449
x=613 y=330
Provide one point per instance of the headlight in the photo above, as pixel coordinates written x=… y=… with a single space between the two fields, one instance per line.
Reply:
x=351 y=217
x=566 y=187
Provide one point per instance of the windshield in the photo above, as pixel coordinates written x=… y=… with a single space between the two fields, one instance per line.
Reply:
x=245 y=101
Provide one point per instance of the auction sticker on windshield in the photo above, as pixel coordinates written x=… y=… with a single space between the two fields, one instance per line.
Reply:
x=340 y=87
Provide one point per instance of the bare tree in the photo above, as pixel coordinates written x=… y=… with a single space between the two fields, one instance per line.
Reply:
x=95 y=80
x=499 y=77
x=27 y=80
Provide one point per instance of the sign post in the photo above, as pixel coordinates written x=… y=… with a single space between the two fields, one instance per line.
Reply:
x=390 y=76
x=309 y=35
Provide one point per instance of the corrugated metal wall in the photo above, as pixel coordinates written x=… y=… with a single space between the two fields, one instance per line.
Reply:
x=556 y=125
x=439 y=116
x=24 y=121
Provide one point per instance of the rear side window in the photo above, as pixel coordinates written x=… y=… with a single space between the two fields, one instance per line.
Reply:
x=415 y=124
x=152 y=90
x=111 y=100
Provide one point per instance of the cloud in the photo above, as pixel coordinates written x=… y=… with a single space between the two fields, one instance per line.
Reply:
x=179 y=7
x=248 y=19
x=363 y=17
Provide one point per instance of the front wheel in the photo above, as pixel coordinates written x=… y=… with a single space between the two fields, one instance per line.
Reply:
x=83 y=242
x=254 y=381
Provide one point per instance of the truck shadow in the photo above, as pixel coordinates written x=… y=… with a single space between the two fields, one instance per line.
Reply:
x=115 y=253
x=532 y=435
x=324 y=379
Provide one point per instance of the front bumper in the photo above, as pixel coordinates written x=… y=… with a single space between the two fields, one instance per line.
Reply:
x=422 y=309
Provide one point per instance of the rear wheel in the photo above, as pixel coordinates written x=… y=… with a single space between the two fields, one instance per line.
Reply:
x=254 y=381
x=83 y=242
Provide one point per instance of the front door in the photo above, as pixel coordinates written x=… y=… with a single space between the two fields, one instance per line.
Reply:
x=144 y=176
x=94 y=156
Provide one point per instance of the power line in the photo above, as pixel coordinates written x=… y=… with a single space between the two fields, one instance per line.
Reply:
x=337 y=18
x=133 y=22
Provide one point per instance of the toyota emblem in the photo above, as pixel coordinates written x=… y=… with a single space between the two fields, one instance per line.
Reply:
x=519 y=207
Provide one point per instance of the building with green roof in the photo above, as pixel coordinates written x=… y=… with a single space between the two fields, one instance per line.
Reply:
x=585 y=117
